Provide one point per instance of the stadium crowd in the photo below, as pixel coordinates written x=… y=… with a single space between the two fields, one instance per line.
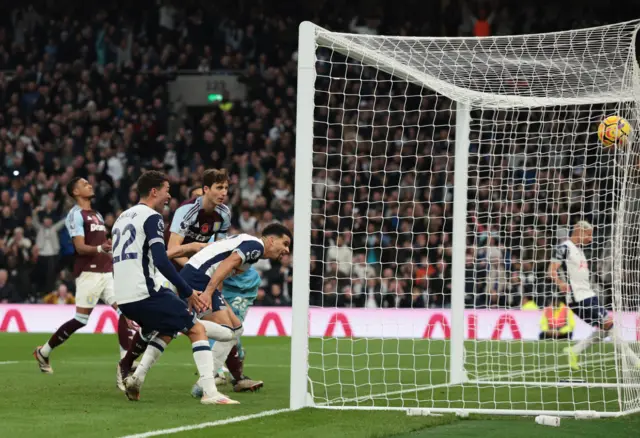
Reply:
x=84 y=92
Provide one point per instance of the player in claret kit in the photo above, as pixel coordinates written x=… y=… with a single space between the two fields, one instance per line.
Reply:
x=205 y=217
x=92 y=271
x=139 y=251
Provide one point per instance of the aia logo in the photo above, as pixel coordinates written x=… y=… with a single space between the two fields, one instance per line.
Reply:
x=204 y=228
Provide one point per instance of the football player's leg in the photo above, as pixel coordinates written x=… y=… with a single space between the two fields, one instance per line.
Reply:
x=606 y=322
x=205 y=364
x=154 y=350
x=585 y=311
x=235 y=359
x=87 y=294
x=163 y=314
x=124 y=326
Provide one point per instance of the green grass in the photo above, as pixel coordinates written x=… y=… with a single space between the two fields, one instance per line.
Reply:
x=80 y=399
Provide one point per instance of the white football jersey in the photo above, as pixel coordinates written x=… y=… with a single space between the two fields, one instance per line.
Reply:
x=248 y=247
x=576 y=271
x=134 y=232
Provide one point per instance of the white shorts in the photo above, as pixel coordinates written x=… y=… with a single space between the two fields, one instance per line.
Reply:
x=93 y=286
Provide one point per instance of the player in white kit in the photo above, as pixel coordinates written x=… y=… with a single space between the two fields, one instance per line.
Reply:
x=569 y=270
x=223 y=259
x=138 y=251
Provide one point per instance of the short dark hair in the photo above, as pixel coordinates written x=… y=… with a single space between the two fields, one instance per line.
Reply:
x=151 y=179
x=214 y=176
x=71 y=185
x=192 y=190
x=277 y=229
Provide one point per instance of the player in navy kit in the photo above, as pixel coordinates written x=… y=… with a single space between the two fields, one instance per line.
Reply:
x=138 y=252
x=223 y=259
x=203 y=218
x=92 y=271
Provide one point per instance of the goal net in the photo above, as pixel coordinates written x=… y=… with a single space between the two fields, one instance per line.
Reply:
x=434 y=179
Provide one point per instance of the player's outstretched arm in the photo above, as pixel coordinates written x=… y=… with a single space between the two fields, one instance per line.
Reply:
x=226 y=267
x=185 y=251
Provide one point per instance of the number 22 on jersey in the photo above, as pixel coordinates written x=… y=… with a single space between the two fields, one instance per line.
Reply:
x=124 y=255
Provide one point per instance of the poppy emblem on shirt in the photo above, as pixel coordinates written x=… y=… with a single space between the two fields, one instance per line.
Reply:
x=204 y=228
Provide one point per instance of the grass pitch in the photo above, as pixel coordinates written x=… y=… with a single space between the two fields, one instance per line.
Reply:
x=80 y=398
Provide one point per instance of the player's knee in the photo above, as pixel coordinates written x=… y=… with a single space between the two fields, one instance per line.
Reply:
x=608 y=325
x=198 y=330
x=82 y=318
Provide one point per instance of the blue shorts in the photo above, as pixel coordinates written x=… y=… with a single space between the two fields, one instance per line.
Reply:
x=163 y=312
x=590 y=311
x=196 y=279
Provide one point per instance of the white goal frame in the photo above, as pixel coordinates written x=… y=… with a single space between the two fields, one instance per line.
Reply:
x=309 y=37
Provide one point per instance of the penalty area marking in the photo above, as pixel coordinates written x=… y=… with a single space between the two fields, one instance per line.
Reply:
x=9 y=362
x=208 y=424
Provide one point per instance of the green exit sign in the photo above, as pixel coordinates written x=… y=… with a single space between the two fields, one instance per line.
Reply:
x=214 y=97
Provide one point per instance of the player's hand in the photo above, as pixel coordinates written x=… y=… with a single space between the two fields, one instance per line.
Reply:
x=206 y=299
x=197 y=303
x=106 y=246
x=564 y=288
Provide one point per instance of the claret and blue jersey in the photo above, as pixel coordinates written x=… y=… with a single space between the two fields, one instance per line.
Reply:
x=193 y=223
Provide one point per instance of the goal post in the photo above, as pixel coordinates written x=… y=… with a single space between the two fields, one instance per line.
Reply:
x=434 y=178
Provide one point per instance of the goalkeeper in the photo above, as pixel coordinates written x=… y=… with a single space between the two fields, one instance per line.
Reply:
x=557 y=321
x=239 y=291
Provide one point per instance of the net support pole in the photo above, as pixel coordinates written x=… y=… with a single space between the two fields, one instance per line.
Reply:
x=302 y=216
x=457 y=372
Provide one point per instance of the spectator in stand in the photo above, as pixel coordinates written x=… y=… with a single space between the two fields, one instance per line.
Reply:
x=84 y=92
x=48 y=242
x=8 y=292
x=59 y=296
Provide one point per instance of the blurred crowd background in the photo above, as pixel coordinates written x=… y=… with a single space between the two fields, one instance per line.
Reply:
x=86 y=92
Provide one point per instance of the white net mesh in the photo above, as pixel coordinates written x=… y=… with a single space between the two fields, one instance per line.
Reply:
x=382 y=218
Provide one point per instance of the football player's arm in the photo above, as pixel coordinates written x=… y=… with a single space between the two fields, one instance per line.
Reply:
x=556 y=262
x=223 y=270
x=178 y=231
x=154 y=230
x=185 y=251
x=246 y=252
x=75 y=227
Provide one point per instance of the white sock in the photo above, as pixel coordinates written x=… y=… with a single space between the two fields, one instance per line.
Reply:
x=45 y=350
x=204 y=362
x=594 y=337
x=220 y=352
x=628 y=352
x=150 y=357
x=217 y=332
